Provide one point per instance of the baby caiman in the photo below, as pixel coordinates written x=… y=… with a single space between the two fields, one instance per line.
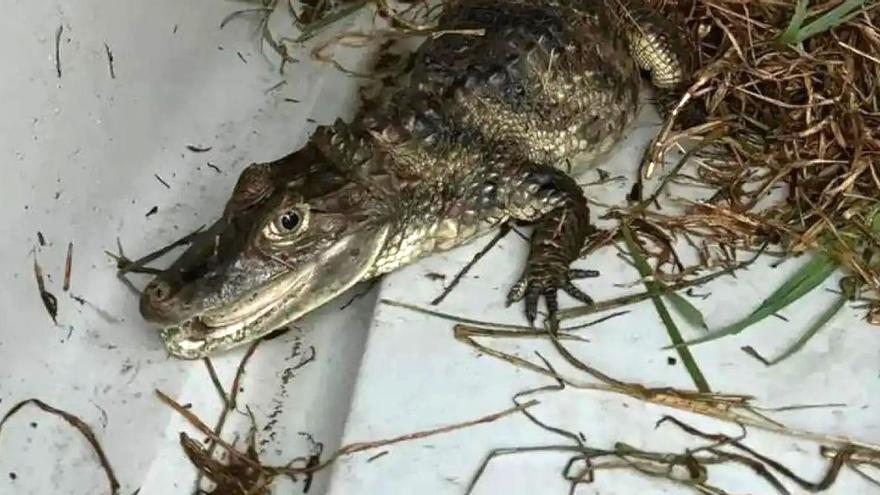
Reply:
x=490 y=123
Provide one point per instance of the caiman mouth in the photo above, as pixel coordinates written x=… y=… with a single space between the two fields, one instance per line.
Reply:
x=278 y=301
x=226 y=325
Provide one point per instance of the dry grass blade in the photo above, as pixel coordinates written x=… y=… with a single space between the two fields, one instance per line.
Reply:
x=736 y=409
x=260 y=476
x=233 y=478
x=50 y=302
x=600 y=306
x=237 y=13
x=313 y=28
x=797 y=90
x=837 y=460
x=77 y=423
x=689 y=468
x=229 y=404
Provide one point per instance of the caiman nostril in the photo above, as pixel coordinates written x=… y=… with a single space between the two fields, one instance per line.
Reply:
x=158 y=291
x=157 y=299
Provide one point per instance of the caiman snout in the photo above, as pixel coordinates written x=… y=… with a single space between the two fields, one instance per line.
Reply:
x=158 y=302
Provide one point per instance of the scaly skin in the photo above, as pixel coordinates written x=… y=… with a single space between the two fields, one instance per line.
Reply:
x=483 y=129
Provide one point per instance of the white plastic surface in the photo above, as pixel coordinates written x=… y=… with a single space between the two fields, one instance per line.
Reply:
x=80 y=154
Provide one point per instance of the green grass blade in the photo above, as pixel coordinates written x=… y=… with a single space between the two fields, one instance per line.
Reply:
x=806 y=279
x=823 y=319
x=789 y=36
x=674 y=335
x=683 y=307
x=813 y=273
x=831 y=19
x=796 y=32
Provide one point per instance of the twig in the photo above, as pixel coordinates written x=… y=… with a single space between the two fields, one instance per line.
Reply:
x=162 y=181
x=202 y=427
x=361 y=446
x=276 y=86
x=342 y=451
x=125 y=265
x=229 y=400
x=110 y=61
x=720 y=406
x=216 y=381
x=617 y=302
x=68 y=265
x=58 y=49
x=502 y=232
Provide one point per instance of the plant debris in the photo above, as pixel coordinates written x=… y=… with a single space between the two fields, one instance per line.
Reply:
x=215 y=167
x=77 y=423
x=791 y=109
x=813 y=273
x=162 y=181
x=653 y=287
x=198 y=149
x=502 y=232
x=367 y=288
x=41 y=239
x=275 y=86
x=153 y=211
x=68 y=267
x=236 y=473
x=49 y=300
x=380 y=454
x=688 y=468
x=110 y=61
x=244 y=474
x=727 y=407
x=58 y=33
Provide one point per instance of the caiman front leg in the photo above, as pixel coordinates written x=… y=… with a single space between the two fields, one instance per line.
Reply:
x=557 y=204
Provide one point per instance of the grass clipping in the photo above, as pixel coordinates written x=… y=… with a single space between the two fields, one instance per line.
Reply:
x=787 y=94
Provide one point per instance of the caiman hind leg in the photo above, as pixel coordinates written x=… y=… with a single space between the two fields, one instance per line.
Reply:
x=553 y=200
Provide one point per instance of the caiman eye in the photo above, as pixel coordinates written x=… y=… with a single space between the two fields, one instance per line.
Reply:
x=290 y=220
x=285 y=226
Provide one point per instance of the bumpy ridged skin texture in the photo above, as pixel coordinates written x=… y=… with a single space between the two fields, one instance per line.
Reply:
x=484 y=123
x=479 y=130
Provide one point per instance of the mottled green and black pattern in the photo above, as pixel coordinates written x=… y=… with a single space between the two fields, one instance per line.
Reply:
x=482 y=129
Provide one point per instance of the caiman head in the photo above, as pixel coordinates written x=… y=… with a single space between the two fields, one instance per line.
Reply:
x=293 y=235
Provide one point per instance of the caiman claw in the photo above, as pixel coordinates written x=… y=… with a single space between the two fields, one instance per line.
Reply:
x=546 y=279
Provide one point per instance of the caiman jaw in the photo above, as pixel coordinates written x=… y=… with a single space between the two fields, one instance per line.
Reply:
x=222 y=328
x=279 y=301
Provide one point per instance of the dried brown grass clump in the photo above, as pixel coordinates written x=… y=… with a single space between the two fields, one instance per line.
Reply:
x=801 y=121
